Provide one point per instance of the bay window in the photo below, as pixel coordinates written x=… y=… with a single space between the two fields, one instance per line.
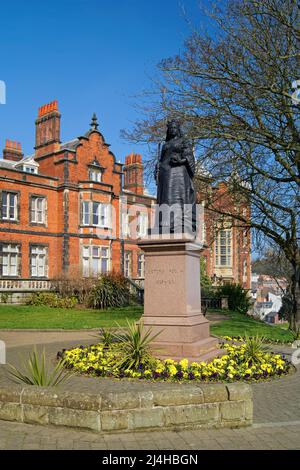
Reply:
x=96 y=213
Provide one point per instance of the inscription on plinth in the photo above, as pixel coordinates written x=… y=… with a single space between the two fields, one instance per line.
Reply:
x=172 y=299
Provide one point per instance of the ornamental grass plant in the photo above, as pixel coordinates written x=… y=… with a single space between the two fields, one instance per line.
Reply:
x=36 y=372
x=111 y=290
x=134 y=341
x=107 y=337
x=255 y=349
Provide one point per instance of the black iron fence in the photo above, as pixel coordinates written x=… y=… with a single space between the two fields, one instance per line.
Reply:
x=208 y=303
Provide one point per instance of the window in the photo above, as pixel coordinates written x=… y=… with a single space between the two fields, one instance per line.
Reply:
x=125 y=225
x=95 y=260
x=127 y=263
x=96 y=213
x=245 y=238
x=142 y=227
x=38 y=261
x=9 y=206
x=95 y=175
x=38 y=209
x=10 y=259
x=30 y=169
x=86 y=213
x=223 y=248
x=245 y=269
x=203 y=232
x=141 y=265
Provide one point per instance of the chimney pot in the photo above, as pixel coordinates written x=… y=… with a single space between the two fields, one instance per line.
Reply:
x=12 y=151
x=134 y=173
x=47 y=137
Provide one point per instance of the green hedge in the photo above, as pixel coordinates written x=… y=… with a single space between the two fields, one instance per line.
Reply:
x=51 y=300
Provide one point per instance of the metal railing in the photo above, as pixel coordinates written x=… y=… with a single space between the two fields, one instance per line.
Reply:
x=137 y=289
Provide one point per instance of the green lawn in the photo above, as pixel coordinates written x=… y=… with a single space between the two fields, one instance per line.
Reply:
x=27 y=316
x=239 y=325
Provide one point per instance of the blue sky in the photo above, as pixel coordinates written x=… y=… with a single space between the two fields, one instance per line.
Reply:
x=90 y=55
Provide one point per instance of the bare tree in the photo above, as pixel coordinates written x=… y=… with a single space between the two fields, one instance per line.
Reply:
x=233 y=92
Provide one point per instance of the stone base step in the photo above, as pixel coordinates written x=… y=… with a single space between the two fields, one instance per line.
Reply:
x=201 y=350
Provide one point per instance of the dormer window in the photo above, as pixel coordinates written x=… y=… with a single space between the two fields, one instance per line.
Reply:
x=29 y=169
x=95 y=175
x=28 y=164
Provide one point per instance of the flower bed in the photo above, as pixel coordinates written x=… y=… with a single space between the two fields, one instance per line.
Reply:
x=235 y=365
x=240 y=339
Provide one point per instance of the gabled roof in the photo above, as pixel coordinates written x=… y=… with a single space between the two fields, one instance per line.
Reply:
x=10 y=164
x=29 y=160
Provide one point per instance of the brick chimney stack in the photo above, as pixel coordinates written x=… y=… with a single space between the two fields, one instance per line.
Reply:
x=134 y=173
x=47 y=129
x=12 y=151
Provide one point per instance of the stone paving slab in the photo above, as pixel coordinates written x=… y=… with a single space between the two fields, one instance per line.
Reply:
x=16 y=436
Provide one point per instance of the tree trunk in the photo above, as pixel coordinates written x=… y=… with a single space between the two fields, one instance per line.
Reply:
x=295 y=294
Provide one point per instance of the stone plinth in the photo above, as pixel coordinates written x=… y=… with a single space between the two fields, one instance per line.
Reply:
x=172 y=300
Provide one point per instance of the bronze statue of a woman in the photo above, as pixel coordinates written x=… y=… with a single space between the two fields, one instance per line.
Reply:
x=174 y=175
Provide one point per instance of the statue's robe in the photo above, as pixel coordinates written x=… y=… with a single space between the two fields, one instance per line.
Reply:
x=174 y=172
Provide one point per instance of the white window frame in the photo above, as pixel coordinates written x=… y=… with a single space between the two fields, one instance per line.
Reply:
x=85 y=213
x=30 y=169
x=141 y=265
x=6 y=209
x=203 y=232
x=223 y=247
x=245 y=238
x=96 y=214
x=35 y=211
x=245 y=269
x=142 y=227
x=125 y=225
x=38 y=261
x=11 y=253
x=89 y=254
x=128 y=263
x=95 y=175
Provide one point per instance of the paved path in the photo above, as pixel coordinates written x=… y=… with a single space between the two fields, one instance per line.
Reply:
x=15 y=338
x=16 y=436
x=276 y=412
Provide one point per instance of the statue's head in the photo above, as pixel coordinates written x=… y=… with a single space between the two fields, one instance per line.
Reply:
x=173 y=129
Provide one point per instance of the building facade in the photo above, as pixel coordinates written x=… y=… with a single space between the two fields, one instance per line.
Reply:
x=72 y=209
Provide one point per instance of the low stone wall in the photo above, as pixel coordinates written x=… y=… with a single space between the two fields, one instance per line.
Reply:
x=182 y=407
x=17 y=291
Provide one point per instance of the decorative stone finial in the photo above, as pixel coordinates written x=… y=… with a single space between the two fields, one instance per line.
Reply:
x=94 y=123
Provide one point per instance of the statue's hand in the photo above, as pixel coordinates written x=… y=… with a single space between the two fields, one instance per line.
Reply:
x=178 y=161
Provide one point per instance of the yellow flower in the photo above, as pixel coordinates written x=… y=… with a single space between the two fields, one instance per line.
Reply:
x=184 y=363
x=172 y=370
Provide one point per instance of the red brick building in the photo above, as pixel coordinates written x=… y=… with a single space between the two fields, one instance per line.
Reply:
x=227 y=240
x=64 y=210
